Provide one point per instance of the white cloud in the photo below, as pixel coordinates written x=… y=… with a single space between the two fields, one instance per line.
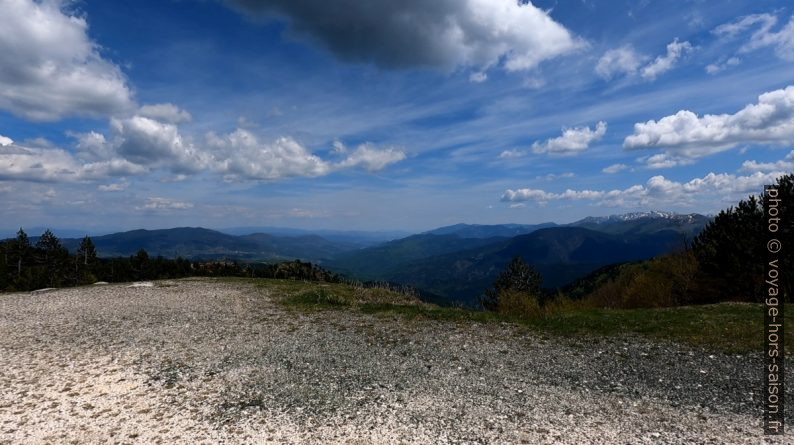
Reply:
x=50 y=69
x=623 y=60
x=782 y=41
x=510 y=154
x=553 y=176
x=443 y=33
x=115 y=187
x=479 y=77
x=157 y=203
x=4 y=141
x=572 y=140
x=240 y=155
x=147 y=141
x=714 y=68
x=56 y=164
x=167 y=112
x=614 y=168
x=665 y=160
x=371 y=158
x=769 y=121
x=141 y=144
x=786 y=164
x=658 y=190
x=662 y=64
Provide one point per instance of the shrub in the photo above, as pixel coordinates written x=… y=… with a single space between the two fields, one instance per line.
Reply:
x=519 y=277
x=670 y=280
x=515 y=303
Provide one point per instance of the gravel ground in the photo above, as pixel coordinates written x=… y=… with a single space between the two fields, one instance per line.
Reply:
x=196 y=361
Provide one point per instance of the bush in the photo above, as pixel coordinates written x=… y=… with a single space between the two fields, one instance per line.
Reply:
x=520 y=304
x=518 y=277
x=670 y=280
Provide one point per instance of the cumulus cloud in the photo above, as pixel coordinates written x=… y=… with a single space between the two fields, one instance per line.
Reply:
x=662 y=64
x=658 y=190
x=50 y=69
x=371 y=158
x=572 y=140
x=782 y=41
x=614 y=168
x=147 y=141
x=56 y=164
x=786 y=164
x=140 y=144
x=665 y=160
x=627 y=62
x=165 y=113
x=157 y=203
x=623 y=60
x=769 y=121
x=410 y=33
x=241 y=155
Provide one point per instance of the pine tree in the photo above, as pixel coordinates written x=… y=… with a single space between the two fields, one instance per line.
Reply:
x=21 y=250
x=53 y=256
x=731 y=250
x=518 y=277
x=87 y=252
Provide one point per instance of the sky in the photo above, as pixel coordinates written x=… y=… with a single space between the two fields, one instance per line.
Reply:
x=384 y=115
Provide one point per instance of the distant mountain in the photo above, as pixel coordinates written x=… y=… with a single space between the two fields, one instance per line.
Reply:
x=196 y=242
x=560 y=254
x=378 y=262
x=646 y=222
x=361 y=238
x=59 y=232
x=489 y=231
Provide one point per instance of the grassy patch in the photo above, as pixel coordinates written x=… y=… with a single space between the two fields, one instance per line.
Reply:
x=429 y=312
x=317 y=299
x=726 y=327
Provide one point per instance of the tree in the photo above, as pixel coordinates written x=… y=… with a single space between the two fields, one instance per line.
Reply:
x=85 y=262
x=53 y=256
x=140 y=264
x=49 y=245
x=732 y=252
x=21 y=250
x=518 y=277
x=87 y=252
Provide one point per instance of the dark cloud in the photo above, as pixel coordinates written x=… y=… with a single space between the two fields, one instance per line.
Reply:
x=431 y=33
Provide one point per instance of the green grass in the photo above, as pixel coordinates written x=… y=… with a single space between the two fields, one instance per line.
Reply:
x=725 y=327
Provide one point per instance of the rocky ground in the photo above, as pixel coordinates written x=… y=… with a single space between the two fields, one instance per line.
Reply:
x=197 y=361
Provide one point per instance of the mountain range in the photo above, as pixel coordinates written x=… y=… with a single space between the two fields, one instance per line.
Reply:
x=454 y=263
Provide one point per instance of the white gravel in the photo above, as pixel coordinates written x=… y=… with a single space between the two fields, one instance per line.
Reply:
x=196 y=361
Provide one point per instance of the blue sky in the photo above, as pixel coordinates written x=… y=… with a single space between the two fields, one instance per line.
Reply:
x=387 y=115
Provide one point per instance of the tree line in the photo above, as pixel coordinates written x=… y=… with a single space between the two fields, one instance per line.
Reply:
x=727 y=261
x=27 y=266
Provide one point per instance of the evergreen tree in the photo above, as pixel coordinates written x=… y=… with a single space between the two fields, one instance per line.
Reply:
x=21 y=251
x=518 y=277
x=87 y=252
x=731 y=250
x=53 y=256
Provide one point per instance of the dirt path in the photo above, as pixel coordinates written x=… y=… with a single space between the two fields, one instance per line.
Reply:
x=194 y=361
